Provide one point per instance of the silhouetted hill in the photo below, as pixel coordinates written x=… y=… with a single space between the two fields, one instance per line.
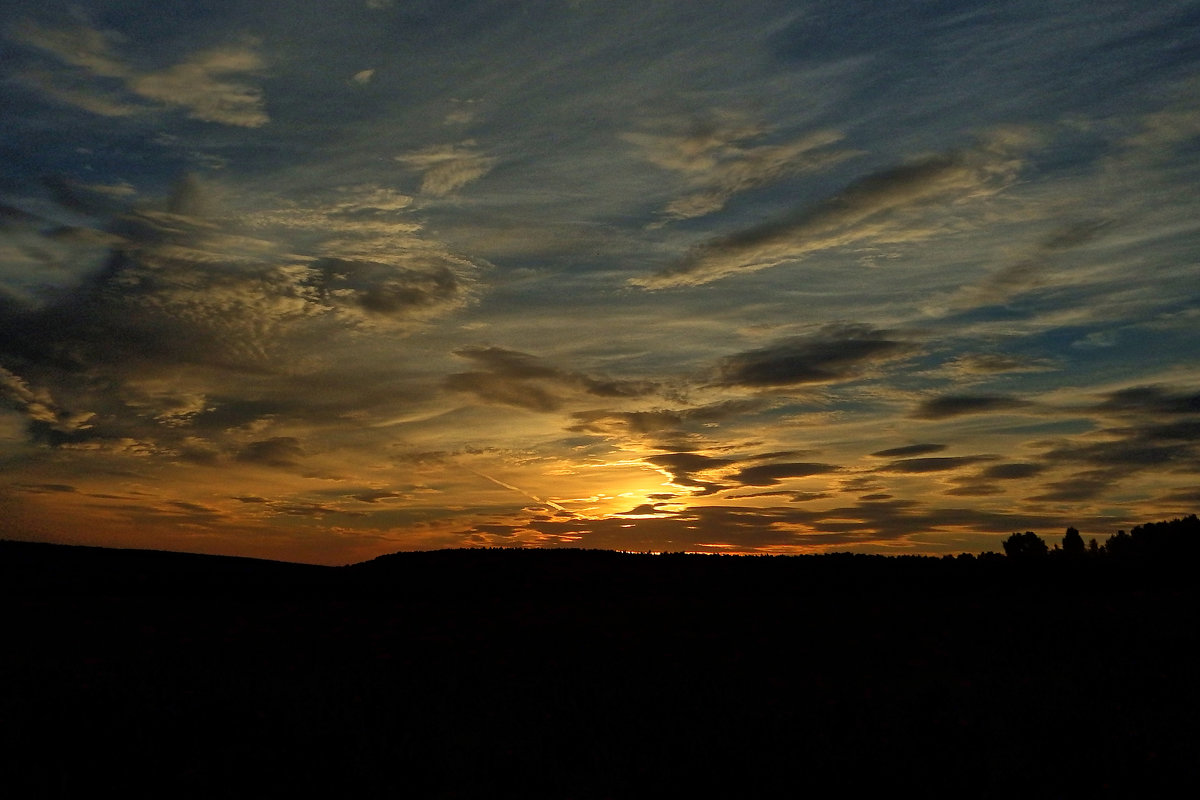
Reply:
x=592 y=674
x=37 y=566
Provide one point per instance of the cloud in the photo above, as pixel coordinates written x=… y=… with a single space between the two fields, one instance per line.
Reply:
x=718 y=161
x=1158 y=433
x=1189 y=498
x=279 y=451
x=81 y=94
x=45 y=488
x=375 y=496
x=1153 y=399
x=879 y=205
x=873 y=523
x=773 y=474
x=948 y=406
x=683 y=467
x=909 y=450
x=200 y=331
x=793 y=497
x=201 y=83
x=994 y=363
x=38 y=406
x=503 y=390
x=1078 y=488
x=445 y=168
x=987 y=482
x=835 y=353
x=660 y=421
x=1012 y=471
x=209 y=84
x=1138 y=449
x=521 y=380
x=1035 y=270
x=937 y=464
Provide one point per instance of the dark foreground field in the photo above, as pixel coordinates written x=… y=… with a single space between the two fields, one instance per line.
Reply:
x=591 y=674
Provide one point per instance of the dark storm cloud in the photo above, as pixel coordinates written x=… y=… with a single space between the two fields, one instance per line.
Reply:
x=909 y=450
x=922 y=465
x=949 y=406
x=835 y=353
x=519 y=379
x=866 y=208
x=773 y=474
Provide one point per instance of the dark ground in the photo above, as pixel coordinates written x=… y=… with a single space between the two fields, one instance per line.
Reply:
x=592 y=674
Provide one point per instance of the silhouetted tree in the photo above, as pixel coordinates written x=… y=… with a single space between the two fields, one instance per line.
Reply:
x=1173 y=540
x=1072 y=543
x=1025 y=545
x=1119 y=545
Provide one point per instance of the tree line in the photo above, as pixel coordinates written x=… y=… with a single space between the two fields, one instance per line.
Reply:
x=1154 y=541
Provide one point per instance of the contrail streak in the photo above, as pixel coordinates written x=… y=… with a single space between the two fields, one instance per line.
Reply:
x=520 y=491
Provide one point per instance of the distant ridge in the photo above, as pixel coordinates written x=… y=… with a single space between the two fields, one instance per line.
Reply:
x=82 y=568
x=1159 y=548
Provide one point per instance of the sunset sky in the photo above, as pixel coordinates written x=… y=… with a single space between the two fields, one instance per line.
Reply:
x=318 y=281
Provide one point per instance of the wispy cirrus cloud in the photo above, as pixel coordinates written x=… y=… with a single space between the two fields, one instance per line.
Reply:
x=883 y=205
x=445 y=168
x=836 y=352
x=522 y=380
x=660 y=424
x=196 y=335
x=718 y=159
x=211 y=85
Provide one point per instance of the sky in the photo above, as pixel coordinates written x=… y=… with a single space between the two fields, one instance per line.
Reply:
x=318 y=281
